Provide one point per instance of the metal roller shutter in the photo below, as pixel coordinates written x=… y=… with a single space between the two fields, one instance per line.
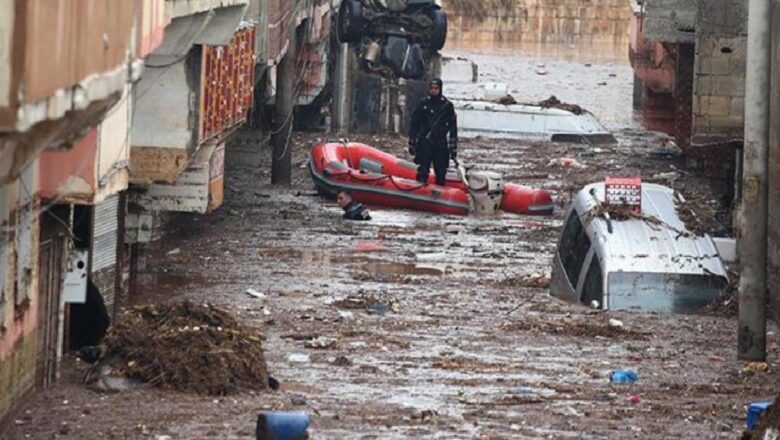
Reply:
x=104 y=247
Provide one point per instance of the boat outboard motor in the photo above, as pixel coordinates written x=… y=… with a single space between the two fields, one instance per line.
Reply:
x=486 y=189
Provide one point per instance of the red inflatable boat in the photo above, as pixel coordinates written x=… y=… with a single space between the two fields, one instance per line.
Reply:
x=378 y=178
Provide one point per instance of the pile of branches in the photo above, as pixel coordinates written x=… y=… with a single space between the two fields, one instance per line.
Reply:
x=188 y=347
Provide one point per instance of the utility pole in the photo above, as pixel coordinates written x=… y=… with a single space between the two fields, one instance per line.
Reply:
x=281 y=160
x=753 y=235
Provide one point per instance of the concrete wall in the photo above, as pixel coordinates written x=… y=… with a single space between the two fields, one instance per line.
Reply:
x=6 y=31
x=18 y=289
x=113 y=143
x=719 y=72
x=512 y=22
x=670 y=21
x=181 y=8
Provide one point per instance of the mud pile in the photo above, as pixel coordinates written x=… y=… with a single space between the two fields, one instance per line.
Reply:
x=770 y=422
x=187 y=347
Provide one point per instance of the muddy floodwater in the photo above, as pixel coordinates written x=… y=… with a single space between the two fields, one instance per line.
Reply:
x=434 y=326
x=605 y=88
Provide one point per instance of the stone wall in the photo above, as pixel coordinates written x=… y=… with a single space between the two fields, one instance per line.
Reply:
x=719 y=91
x=719 y=74
x=474 y=23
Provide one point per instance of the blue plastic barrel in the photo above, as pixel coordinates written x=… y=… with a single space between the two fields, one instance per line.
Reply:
x=276 y=425
x=754 y=413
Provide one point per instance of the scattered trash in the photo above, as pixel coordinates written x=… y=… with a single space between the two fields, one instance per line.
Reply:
x=507 y=100
x=298 y=358
x=342 y=361
x=618 y=350
x=369 y=246
x=536 y=280
x=524 y=390
x=602 y=83
x=424 y=414
x=566 y=162
x=346 y=315
x=298 y=400
x=163 y=437
x=105 y=379
x=278 y=425
x=179 y=346
x=595 y=304
x=379 y=307
x=273 y=383
x=623 y=376
x=755 y=412
x=670 y=176
x=634 y=399
x=635 y=357
x=254 y=293
x=541 y=72
x=755 y=367
x=614 y=323
x=321 y=342
x=174 y=251
x=717 y=358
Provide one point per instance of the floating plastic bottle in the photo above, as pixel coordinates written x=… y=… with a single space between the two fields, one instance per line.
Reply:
x=623 y=376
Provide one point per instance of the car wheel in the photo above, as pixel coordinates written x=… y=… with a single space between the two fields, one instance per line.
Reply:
x=439 y=35
x=350 y=19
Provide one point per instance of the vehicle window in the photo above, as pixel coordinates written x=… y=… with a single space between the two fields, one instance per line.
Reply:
x=594 y=283
x=663 y=292
x=574 y=247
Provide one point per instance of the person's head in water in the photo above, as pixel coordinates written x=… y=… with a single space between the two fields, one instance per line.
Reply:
x=343 y=198
x=434 y=88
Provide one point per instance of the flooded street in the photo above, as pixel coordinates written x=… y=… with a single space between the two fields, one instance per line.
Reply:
x=601 y=82
x=417 y=325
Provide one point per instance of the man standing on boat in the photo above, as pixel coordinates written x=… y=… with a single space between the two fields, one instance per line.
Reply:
x=433 y=138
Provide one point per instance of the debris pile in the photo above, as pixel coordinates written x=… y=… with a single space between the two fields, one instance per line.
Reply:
x=727 y=304
x=187 y=347
x=553 y=102
x=572 y=327
x=687 y=212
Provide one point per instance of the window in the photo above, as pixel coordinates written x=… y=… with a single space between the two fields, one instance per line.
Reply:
x=594 y=283
x=573 y=248
x=663 y=292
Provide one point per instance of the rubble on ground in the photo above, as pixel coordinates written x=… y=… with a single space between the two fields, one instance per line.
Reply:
x=187 y=347
x=588 y=327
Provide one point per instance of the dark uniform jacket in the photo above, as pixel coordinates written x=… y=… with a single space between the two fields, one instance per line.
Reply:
x=432 y=121
x=356 y=211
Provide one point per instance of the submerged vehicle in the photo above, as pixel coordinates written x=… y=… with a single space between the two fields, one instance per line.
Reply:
x=645 y=261
x=381 y=179
x=393 y=37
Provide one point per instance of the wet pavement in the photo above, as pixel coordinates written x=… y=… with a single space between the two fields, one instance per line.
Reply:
x=425 y=325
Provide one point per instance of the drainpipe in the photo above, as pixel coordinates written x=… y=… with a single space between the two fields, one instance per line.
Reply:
x=753 y=235
x=341 y=100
